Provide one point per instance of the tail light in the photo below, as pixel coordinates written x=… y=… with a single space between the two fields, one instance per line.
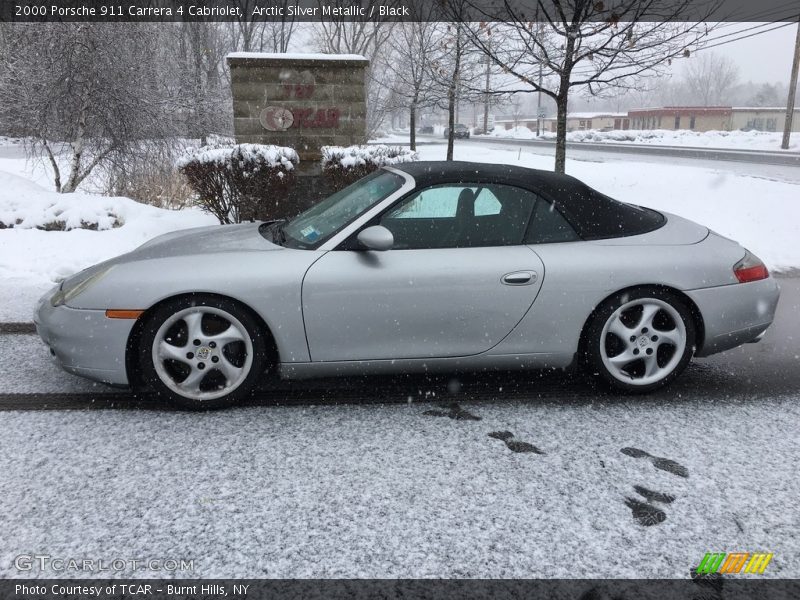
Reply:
x=750 y=268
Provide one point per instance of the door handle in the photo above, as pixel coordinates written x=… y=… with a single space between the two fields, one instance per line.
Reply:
x=519 y=278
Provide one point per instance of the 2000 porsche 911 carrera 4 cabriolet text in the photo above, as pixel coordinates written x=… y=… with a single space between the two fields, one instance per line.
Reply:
x=426 y=266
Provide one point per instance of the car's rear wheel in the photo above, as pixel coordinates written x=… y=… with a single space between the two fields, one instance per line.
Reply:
x=202 y=352
x=640 y=340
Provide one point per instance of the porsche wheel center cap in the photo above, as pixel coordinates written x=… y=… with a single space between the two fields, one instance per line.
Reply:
x=644 y=341
x=203 y=352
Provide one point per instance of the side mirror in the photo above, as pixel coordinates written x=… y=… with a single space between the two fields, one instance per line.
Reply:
x=376 y=237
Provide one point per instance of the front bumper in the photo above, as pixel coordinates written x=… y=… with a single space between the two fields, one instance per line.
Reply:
x=735 y=314
x=84 y=342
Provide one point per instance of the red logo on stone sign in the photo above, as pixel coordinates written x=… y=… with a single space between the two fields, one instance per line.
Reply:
x=321 y=118
x=300 y=91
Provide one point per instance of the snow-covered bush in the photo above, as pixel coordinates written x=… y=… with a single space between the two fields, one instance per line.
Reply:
x=342 y=165
x=25 y=205
x=238 y=183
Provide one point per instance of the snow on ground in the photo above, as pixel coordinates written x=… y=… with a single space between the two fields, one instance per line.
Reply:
x=12 y=160
x=516 y=133
x=760 y=214
x=42 y=257
x=384 y=491
x=392 y=137
x=32 y=260
x=735 y=140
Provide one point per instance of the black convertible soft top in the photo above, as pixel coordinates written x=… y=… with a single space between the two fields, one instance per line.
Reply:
x=592 y=214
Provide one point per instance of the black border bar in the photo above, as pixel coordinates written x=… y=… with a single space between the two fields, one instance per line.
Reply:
x=154 y=11
x=706 y=588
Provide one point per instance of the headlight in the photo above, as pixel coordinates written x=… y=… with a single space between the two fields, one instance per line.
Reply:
x=70 y=288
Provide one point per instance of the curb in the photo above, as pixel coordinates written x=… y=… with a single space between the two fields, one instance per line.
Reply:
x=59 y=401
x=17 y=328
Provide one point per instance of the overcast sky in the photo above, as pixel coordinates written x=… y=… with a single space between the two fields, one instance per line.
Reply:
x=762 y=58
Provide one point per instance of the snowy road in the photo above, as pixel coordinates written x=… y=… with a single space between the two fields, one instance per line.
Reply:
x=388 y=491
x=354 y=479
x=599 y=154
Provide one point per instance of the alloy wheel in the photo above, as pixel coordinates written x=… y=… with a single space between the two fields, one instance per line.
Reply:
x=643 y=341
x=202 y=353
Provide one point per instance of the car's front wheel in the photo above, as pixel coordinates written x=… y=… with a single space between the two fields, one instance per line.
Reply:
x=202 y=352
x=640 y=340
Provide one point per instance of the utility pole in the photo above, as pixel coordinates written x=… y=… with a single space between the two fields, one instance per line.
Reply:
x=458 y=69
x=539 y=98
x=458 y=94
x=539 y=105
x=787 y=127
x=486 y=95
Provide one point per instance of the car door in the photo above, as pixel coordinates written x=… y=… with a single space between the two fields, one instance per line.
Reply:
x=456 y=282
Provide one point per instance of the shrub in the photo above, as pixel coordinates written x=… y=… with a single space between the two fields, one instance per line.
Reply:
x=154 y=182
x=240 y=183
x=342 y=165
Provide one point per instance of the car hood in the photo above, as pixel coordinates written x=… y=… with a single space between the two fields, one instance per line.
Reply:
x=186 y=242
x=215 y=239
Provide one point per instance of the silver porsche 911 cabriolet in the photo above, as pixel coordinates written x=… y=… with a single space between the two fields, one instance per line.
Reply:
x=427 y=266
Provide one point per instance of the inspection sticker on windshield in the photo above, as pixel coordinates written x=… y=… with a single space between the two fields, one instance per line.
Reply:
x=310 y=233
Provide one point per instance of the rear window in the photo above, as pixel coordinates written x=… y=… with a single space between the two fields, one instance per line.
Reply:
x=548 y=226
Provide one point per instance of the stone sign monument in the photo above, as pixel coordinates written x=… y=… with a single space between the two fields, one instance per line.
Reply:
x=303 y=101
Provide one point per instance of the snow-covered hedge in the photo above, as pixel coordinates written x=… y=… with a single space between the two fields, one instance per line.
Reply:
x=61 y=215
x=749 y=140
x=342 y=165
x=240 y=182
x=25 y=205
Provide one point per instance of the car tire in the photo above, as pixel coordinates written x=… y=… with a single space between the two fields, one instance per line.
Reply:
x=639 y=340
x=202 y=352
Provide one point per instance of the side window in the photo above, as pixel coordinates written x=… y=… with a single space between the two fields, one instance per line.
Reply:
x=432 y=203
x=461 y=215
x=486 y=203
x=548 y=226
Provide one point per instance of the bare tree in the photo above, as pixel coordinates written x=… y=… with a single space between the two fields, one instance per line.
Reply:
x=197 y=87
x=765 y=95
x=583 y=44
x=710 y=77
x=517 y=109
x=349 y=35
x=253 y=35
x=88 y=90
x=411 y=69
x=456 y=72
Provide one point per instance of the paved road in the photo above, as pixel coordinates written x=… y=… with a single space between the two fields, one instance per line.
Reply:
x=751 y=164
x=770 y=368
x=775 y=157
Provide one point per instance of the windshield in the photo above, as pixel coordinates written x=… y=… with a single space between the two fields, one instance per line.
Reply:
x=314 y=226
